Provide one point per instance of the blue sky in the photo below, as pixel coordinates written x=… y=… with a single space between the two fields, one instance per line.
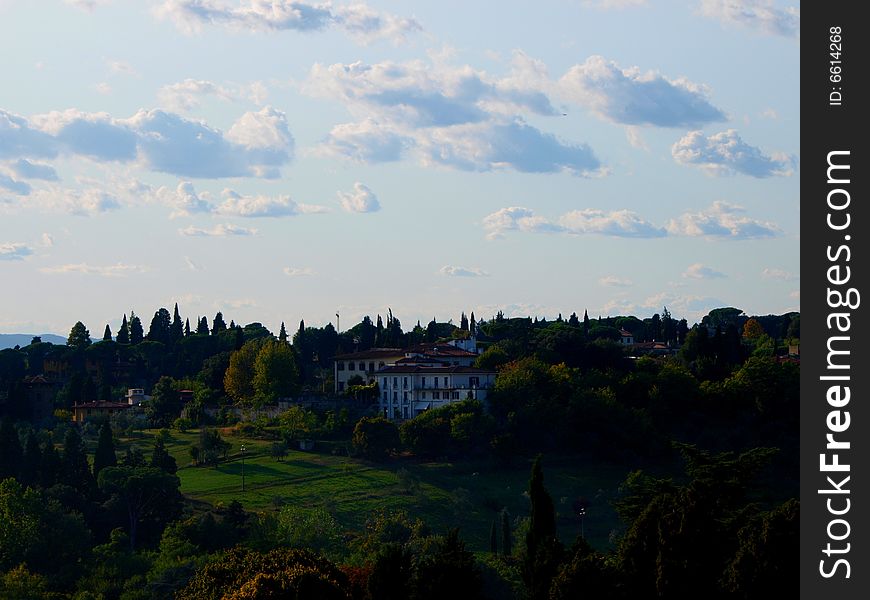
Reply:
x=285 y=160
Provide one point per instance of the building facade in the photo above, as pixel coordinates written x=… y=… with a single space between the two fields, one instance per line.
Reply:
x=408 y=389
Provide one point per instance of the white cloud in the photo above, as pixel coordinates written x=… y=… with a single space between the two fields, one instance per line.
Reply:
x=632 y=133
x=14 y=251
x=121 y=68
x=778 y=274
x=184 y=200
x=103 y=88
x=78 y=202
x=516 y=218
x=620 y=223
x=615 y=281
x=47 y=240
x=360 y=200
x=725 y=153
x=724 y=221
x=116 y=270
x=455 y=271
x=186 y=95
x=238 y=205
x=630 y=97
x=699 y=271
x=761 y=15
x=86 y=5
x=298 y=271
x=367 y=142
x=358 y=20
x=221 y=230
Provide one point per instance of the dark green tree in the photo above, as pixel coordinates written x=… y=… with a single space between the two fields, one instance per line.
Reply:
x=506 y=537
x=10 y=450
x=391 y=574
x=218 y=324
x=165 y=404
x=186 y=327
x=585 y=323
x=137 y=333
x=282 y=336
x=75 y=470
x=31 y=463
x=375 y=437
x=104 y=456
x=50 y=466
x=123 y=336
x=202 y=326
x=79 y=336
x=107 y=334
x=450 y=572
x=161 y=327
x=161 y=459
x=493 y=538
x=543 y=550
x=176 y=329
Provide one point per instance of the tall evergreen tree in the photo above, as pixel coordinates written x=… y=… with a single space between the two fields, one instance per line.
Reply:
x=137 y=333
x=463 y=322
x=104 y=456
x=124 y=332
x=161 y=459
x=89 y=390
x=472 y=324
x=507 y=545
x=176 y=329
x=79 y=336
x=543 y=550
x=187 y=327
x=31 y=463
x=202 y=326
x=573 y=321
x=161 y=327
x=75 y=471
x=218 y=324
x=107 y=334
x=585 y=323
x=49 y=469
x=282 y=335
x=10 y=450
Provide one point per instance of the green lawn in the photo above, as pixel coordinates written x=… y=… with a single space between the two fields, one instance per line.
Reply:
x=463 y=494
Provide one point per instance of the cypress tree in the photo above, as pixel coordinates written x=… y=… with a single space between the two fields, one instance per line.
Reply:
x=124 y=333
x=187 y=328
x=202 y=326
x=161 y=459
x=104 y=456
x=585 y=323
x=506 y=540
x=107 y=334
x=10 y=450
x=176 y=329
x=75 y=470
x=472 y=325
x=137 y=333
x=282 y=336
x=543 y=550
x=218 y=324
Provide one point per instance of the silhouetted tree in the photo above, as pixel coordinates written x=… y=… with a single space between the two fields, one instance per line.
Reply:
x=124 y=332
x=79 y=336
x=104 y=456
x=218 y=324
x=107 y=334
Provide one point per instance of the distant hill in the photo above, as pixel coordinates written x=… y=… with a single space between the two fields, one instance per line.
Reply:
x=10 y=340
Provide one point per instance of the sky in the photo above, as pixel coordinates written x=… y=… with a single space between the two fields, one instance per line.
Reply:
x=280 y=160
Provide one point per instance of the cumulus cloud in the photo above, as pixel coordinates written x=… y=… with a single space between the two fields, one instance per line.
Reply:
x=31 y=170
x=723 y=221
x=79 y=202
x=184 y=200
x=298 y=271
x=358 y=20
x=94 y=135
x=116 y=270
x=455 y=271
x=726 y=153
x=778 y=274
x=237 y=205
x=361 y=200
x=615 y=281
x=699 y=271
x=19 y=138
x=620 y=223
x=630 y=97
x=516 y=218
x=14 y=251
x=449 y=116
x=760 y=15
x=220 y=230
x=22 y=188
x=186 y=95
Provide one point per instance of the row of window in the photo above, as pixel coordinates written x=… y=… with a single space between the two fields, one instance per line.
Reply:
x=435 y=396
x=472 y=382
x=352 y=366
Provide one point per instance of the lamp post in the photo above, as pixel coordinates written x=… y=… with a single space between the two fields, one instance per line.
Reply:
x=243 y=467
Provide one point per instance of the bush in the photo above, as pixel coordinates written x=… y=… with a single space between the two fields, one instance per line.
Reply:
x=375 y=437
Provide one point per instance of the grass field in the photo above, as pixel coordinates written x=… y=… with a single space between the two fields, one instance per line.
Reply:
x=465 y=494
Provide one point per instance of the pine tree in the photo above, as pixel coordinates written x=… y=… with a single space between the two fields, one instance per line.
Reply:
x=75 y=470
x=161 y=327
x=543 y=550
x=124 y=332
x=79 y=336
x=463 y=322
x=137 y=333
x=282 y=336
x=176 y=329
x=186 y=327
x=218 y=324
x=202 y=326
x=573 y=321
x=472 y=325
x=104 y=456
x=585 y=323
x=107 y=334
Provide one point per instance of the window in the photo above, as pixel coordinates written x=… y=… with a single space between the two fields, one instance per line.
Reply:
x=423 y=381
x=405 y=397
x=436 y=395
x=404 y=382
x=395 y=396
x=395 y=382
x=405 y=412
x=340 y=365
x=436 y=382
x=351 y=366
x=362 y=366
x=381 y=365
x=474 y=381
x=445 y=382
x=340 y=386
x=386 y=397
x=456 y=395
x=423 y=395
